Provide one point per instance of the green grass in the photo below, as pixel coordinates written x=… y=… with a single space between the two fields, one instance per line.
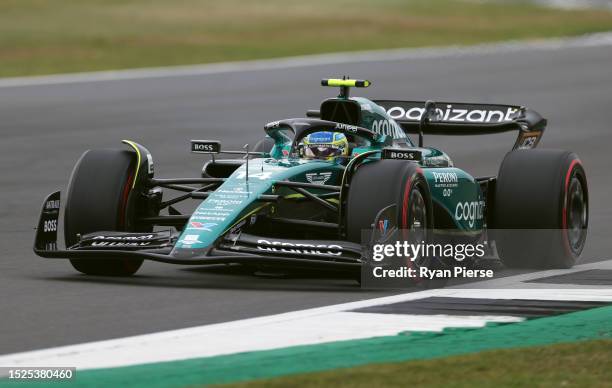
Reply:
x=578 y=364
x=42 y=37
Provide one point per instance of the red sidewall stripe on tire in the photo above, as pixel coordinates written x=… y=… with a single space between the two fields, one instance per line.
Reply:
x=405 y=207
x=565 y=199
x=405 y=199
x=405 y=203
x=568 y=174
x=124 y=201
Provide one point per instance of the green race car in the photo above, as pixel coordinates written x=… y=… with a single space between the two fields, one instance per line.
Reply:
x=317 y=192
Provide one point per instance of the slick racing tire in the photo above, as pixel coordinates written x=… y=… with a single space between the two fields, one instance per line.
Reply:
x=99 y=200
x=396 y=185
x=541 y=209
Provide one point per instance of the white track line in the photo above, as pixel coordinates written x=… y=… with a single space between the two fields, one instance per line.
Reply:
x=223 y=340
x=311 y=326
x=591 y=40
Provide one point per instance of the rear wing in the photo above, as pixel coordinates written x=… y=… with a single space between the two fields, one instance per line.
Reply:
x=453 y=118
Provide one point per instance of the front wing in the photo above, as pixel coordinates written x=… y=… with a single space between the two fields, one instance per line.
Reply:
x=159 y=246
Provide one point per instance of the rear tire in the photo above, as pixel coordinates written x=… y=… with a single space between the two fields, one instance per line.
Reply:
x=541 y=207
x=99 y=199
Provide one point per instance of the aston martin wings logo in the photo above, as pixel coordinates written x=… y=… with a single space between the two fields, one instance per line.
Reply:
x=318 y=177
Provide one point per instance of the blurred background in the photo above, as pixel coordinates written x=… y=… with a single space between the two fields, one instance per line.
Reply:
x=42 y=37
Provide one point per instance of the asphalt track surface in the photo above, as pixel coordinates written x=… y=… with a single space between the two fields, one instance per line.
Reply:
x=44 y=129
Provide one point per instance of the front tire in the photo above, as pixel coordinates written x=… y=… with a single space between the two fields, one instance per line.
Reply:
x=541 y=209
x=396 y=185
x=100 y=199
x=380 y=184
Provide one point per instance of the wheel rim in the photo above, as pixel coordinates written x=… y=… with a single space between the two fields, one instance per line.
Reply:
x=577 y=214
x=417 y=216
x=415 y=229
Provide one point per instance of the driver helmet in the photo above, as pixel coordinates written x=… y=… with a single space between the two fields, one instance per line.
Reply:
x=324 y=145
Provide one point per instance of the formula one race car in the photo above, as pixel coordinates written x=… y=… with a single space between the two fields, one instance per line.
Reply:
x=303 y=197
